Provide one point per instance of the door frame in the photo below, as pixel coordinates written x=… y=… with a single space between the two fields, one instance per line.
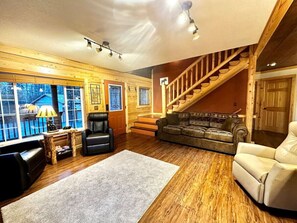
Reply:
x=259 y=103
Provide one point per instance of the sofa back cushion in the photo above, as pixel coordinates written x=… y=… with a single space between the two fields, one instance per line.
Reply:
x=218 y=120
x=183 y=118
x=287 y=151
x=172 y=119
x=20 y=147
x=200 y=118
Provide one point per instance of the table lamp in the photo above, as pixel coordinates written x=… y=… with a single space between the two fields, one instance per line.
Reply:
x=47 y=111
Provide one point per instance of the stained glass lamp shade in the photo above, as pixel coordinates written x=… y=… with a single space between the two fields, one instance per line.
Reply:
x=47 y=111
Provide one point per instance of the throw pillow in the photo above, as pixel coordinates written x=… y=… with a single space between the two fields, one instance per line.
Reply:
x=172 y=119
x=228 y=124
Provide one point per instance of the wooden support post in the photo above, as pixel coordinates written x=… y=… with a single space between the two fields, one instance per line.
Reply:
x=163 y=100
x=250 y=92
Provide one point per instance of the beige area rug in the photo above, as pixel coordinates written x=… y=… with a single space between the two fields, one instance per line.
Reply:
x=118 y=189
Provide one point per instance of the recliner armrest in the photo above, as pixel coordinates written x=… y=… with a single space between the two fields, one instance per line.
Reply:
x=280 y=187
x=110 y=131
x=256 y=149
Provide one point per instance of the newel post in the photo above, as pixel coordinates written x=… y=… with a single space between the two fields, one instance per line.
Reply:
x=250 y=93
x=163 y=86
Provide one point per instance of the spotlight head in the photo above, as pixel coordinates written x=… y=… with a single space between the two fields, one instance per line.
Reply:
x=110 y=54
x=89 y=44
x=99 y=49
x=195 y=34
x=120 y=57
x=192 y=26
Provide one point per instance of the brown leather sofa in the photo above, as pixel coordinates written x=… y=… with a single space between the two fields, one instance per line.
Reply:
x=20 y=165
x=214 y=131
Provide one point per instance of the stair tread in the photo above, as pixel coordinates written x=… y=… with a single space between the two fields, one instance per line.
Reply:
x=147 y=123
x=223 y=71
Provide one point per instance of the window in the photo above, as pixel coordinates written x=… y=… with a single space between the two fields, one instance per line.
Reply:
x=144 y=96
x=115 y=97
x=28 y=98
x=8 y=119
x=74 y=108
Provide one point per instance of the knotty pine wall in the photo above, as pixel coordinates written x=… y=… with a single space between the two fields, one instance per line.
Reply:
x=24 y=65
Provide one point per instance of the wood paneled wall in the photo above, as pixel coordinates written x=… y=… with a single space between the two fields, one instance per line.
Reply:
x=24 y=65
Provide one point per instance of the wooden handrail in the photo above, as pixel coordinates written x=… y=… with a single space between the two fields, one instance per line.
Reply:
x=186 y=70
x=176 y=96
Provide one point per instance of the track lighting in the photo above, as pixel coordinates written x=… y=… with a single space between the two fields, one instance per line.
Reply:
x=185 y=6
x=89 y=44
x=104 y=45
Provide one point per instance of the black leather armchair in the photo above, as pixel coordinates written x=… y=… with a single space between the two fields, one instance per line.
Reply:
x=20 y=165
x=98 y=138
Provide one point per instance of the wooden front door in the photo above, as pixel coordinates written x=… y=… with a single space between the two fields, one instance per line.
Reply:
x=275 y=106
x=115 y=105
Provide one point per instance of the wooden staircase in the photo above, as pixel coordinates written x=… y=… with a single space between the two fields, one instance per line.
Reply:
x=146 y=125
x=203 y=76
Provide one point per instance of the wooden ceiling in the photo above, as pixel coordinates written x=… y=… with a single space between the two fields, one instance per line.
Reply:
x=282 y=47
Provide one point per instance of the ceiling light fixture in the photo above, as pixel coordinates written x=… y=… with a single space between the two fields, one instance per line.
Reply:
x=195 y=34
x=89 y=44
x=185 y=6
x=104 y=45
x=273 y=64
x=99 y=49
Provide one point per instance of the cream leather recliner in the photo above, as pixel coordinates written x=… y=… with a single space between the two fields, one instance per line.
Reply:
x=269 y=175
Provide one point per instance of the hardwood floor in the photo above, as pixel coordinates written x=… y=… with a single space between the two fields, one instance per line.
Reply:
x=203 y=190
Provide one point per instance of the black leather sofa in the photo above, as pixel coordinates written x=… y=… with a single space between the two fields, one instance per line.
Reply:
x=20 y=165
x=98 y=138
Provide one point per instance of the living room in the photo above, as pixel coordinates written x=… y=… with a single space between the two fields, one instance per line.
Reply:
x=53 y=55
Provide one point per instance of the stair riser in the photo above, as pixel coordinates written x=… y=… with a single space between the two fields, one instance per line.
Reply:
x=148 y=126
x=143 y=132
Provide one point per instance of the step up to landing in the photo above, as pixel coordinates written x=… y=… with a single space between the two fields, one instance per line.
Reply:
x=146 y=125
x=143 y=131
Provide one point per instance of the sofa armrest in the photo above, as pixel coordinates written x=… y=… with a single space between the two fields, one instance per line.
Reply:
x=12 y=174
x=161 y=123
x=239 y=134
x=280 y=187
x=257 y=150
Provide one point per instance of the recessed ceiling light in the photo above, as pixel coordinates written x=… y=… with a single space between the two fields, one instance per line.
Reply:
x=273 y=64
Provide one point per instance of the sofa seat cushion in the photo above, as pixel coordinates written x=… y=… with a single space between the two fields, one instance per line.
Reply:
x=172 y=129
x=98 y=138
x=218 y=134
x=194 y=131
x=256 y=166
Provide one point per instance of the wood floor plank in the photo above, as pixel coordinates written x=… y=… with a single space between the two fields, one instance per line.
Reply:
x=203 y=189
